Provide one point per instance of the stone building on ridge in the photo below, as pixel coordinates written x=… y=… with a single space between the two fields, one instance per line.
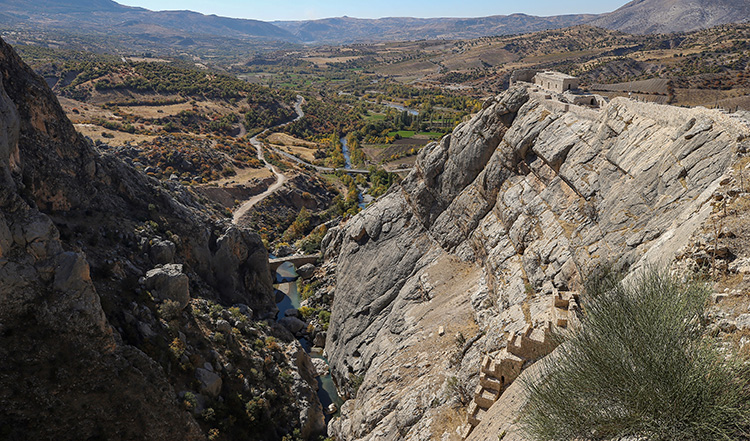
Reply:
x=557 y=85
x=556 y=81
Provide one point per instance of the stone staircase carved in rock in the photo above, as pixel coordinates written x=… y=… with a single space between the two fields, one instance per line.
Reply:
x=496 y=373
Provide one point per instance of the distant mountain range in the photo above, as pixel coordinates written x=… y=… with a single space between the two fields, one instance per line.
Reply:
x=351 y=30
x=110 y=18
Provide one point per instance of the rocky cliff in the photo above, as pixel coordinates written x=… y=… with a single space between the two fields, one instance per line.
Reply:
x=497 y=221
x=115 y=296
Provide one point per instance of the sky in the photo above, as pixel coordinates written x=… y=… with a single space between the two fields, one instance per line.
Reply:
x=269 y=10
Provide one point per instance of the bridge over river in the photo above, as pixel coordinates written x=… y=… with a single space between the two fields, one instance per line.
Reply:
x=298 y=261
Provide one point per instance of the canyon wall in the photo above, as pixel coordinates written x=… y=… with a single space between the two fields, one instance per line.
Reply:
x=506 y=212
x=115 y=296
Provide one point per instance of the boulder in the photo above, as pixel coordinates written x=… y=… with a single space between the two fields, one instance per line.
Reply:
x=320 y=339
x=244 y=309
x=283 y=251
x=293 y=324
x=169 y=283
x=306 y=271
x=321 y=366
x=162 y=251
x=223 y=326
x=210 y=382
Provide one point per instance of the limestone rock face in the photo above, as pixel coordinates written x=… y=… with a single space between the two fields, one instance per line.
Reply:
x=240 y=266
x=304 y=387
x=58 y=356
x=511 y=207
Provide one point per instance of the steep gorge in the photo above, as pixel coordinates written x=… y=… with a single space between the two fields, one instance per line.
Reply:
x=496 y=219
x=115 y=296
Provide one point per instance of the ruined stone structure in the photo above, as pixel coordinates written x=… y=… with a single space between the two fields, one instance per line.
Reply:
x=498 y=372
x=522 y=75
x=557 y=86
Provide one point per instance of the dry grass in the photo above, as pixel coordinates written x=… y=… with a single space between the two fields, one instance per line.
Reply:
x=244 y=175
x=117 y=138
x=287 y=140
x=301 y=152
x=324 y=61
x=410 y=69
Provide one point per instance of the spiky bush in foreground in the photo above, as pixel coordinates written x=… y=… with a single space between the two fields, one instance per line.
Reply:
x=638 y=366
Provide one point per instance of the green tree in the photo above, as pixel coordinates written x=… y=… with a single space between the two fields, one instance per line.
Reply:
x=638 y=366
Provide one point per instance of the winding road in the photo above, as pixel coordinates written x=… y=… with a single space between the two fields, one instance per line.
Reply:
x=280 y=178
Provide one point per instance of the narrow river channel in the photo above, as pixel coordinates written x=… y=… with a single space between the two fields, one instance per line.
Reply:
x=364 y=199
x=287 y=297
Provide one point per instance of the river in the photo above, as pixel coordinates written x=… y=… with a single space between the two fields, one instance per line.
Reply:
x=364 y=199
x=400 y=107
x=287 y=297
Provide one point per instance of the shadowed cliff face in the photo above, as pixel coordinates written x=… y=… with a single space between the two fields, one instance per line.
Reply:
x=77 y=232
x=61 y=372
x=63 y=176
x=510 y=208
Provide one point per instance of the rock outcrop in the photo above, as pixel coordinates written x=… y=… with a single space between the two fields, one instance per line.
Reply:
x=666 y=16
x=62 y=373
x=498 y=217
x=169 y=283
x=90 y=252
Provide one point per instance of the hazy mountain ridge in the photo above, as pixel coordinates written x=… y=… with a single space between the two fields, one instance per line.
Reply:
x=350 y=30
x=666 y=16
x=94 y=16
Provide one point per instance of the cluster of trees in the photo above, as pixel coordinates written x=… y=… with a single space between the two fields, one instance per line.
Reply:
x=324 y=116
x=299 y=227
x=196 y=160
x=356 y=154
x=164 y=78
x=267 y=114
x=418 y=97
x=223 y=124
x=380 y=181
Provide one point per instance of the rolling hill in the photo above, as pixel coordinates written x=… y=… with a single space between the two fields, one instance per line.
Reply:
x=185 y=28
x=107 y=16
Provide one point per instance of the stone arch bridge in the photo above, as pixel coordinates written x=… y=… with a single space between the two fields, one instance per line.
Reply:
x=298 y=261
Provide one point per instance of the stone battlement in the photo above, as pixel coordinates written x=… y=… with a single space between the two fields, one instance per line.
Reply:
x=534 y=343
